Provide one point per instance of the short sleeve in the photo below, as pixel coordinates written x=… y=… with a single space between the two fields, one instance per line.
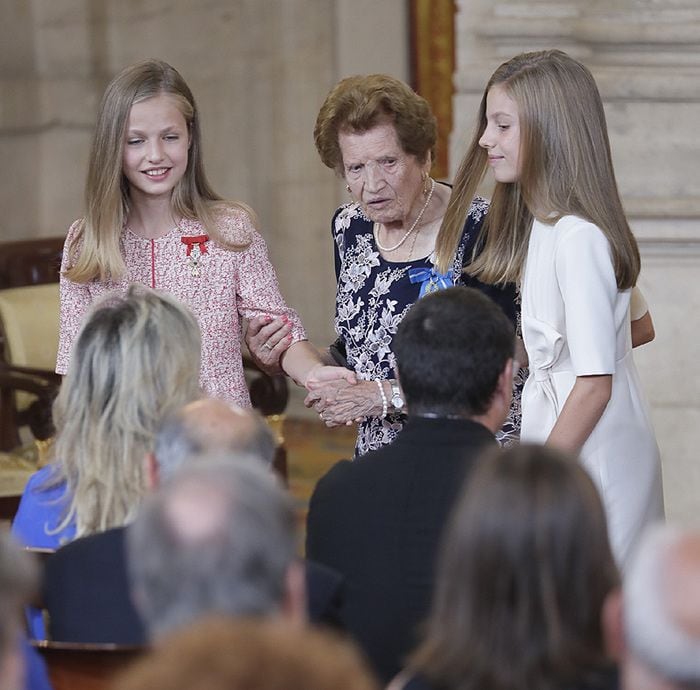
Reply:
x=258 y=292
x=75 y=302
x=588 y=286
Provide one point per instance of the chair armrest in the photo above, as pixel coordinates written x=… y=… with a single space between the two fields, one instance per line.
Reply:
x=40 y=382
x=44 y=385
x=46 y=375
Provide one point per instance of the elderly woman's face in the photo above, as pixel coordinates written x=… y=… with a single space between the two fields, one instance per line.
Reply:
x=387 y=181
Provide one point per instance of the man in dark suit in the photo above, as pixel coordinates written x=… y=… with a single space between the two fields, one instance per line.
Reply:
x=378 y=520
x=86 y=589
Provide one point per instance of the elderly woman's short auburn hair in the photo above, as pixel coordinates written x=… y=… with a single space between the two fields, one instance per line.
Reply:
x=357 y=104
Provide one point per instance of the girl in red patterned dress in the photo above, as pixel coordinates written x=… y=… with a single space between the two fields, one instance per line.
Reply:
x=152 y=218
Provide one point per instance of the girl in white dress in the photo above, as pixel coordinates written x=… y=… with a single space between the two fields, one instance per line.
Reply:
x=557 y=227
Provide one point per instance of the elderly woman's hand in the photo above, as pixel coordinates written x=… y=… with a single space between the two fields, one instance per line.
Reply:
x=339 y=402
x=267 y=338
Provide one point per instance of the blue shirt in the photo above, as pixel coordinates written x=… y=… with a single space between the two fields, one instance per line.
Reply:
x=40 y=510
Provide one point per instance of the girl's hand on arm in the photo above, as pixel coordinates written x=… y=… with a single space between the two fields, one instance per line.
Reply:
x=520 y=353
x=267 y=338
x=581 y=412
x=642 y=325
x=323 y=373
x=643 y=330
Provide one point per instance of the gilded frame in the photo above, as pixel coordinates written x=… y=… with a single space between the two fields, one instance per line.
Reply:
x=432 y=45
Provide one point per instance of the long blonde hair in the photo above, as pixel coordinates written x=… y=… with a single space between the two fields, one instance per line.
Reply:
x=566 y=169
x=96 y=251
x=136 y=360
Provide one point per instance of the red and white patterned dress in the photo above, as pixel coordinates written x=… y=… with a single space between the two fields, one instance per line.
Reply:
x=226 y=287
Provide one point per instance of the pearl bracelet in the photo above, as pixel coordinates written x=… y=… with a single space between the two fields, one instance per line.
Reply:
x=385 y=402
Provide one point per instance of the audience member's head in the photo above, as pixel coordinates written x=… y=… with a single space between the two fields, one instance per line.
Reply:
x=454 y=353
x=524 y=573
x=136 y=358
x=220 y=654
x=206 y=426
x=661 y=612
x=18 y=579
x=218 y=537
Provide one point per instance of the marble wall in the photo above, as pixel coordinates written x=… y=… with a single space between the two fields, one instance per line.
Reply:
x=645 y=55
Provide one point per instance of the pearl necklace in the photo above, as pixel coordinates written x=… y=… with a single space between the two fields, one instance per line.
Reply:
x=410 y=230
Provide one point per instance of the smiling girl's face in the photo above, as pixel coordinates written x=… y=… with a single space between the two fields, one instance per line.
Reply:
x=156 y=147
x=501 y=138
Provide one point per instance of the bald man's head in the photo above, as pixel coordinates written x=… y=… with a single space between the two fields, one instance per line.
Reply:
x=207 y=426
x=219 y=537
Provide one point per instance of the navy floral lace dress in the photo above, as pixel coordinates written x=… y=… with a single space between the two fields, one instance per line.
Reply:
x=374 y=294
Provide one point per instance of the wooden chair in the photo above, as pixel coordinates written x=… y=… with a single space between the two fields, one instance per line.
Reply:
x=76 y=666
x=29 y=272
x=269 y=395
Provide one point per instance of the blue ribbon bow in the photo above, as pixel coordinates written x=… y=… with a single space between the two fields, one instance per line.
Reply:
x=430 y=279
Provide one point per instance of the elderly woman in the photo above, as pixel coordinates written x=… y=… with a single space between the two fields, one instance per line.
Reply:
x=524 y=576
x=379 y=136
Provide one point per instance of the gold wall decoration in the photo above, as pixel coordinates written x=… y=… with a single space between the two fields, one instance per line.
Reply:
x=432 y=33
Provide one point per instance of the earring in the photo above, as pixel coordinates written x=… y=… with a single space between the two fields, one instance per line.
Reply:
x=426 y=183
x=347 y=186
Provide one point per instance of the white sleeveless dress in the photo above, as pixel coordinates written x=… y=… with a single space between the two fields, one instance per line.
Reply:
x=575 y=322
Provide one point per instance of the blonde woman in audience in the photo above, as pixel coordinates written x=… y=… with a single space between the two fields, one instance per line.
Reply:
x=223 y=654
x=136 y=360
x=523 y=579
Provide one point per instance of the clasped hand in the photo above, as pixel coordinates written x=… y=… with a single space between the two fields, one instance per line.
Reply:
x=333 y=391
x=340 y=402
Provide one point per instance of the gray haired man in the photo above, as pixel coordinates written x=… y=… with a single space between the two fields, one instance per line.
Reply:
x=219 y=537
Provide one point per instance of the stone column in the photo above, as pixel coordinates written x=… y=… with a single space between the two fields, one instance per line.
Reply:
x=20 y=120
x=645 y=56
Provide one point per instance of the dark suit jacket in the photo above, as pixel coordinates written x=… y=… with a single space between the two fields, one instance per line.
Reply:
x=378 y=521
x=86 y=592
